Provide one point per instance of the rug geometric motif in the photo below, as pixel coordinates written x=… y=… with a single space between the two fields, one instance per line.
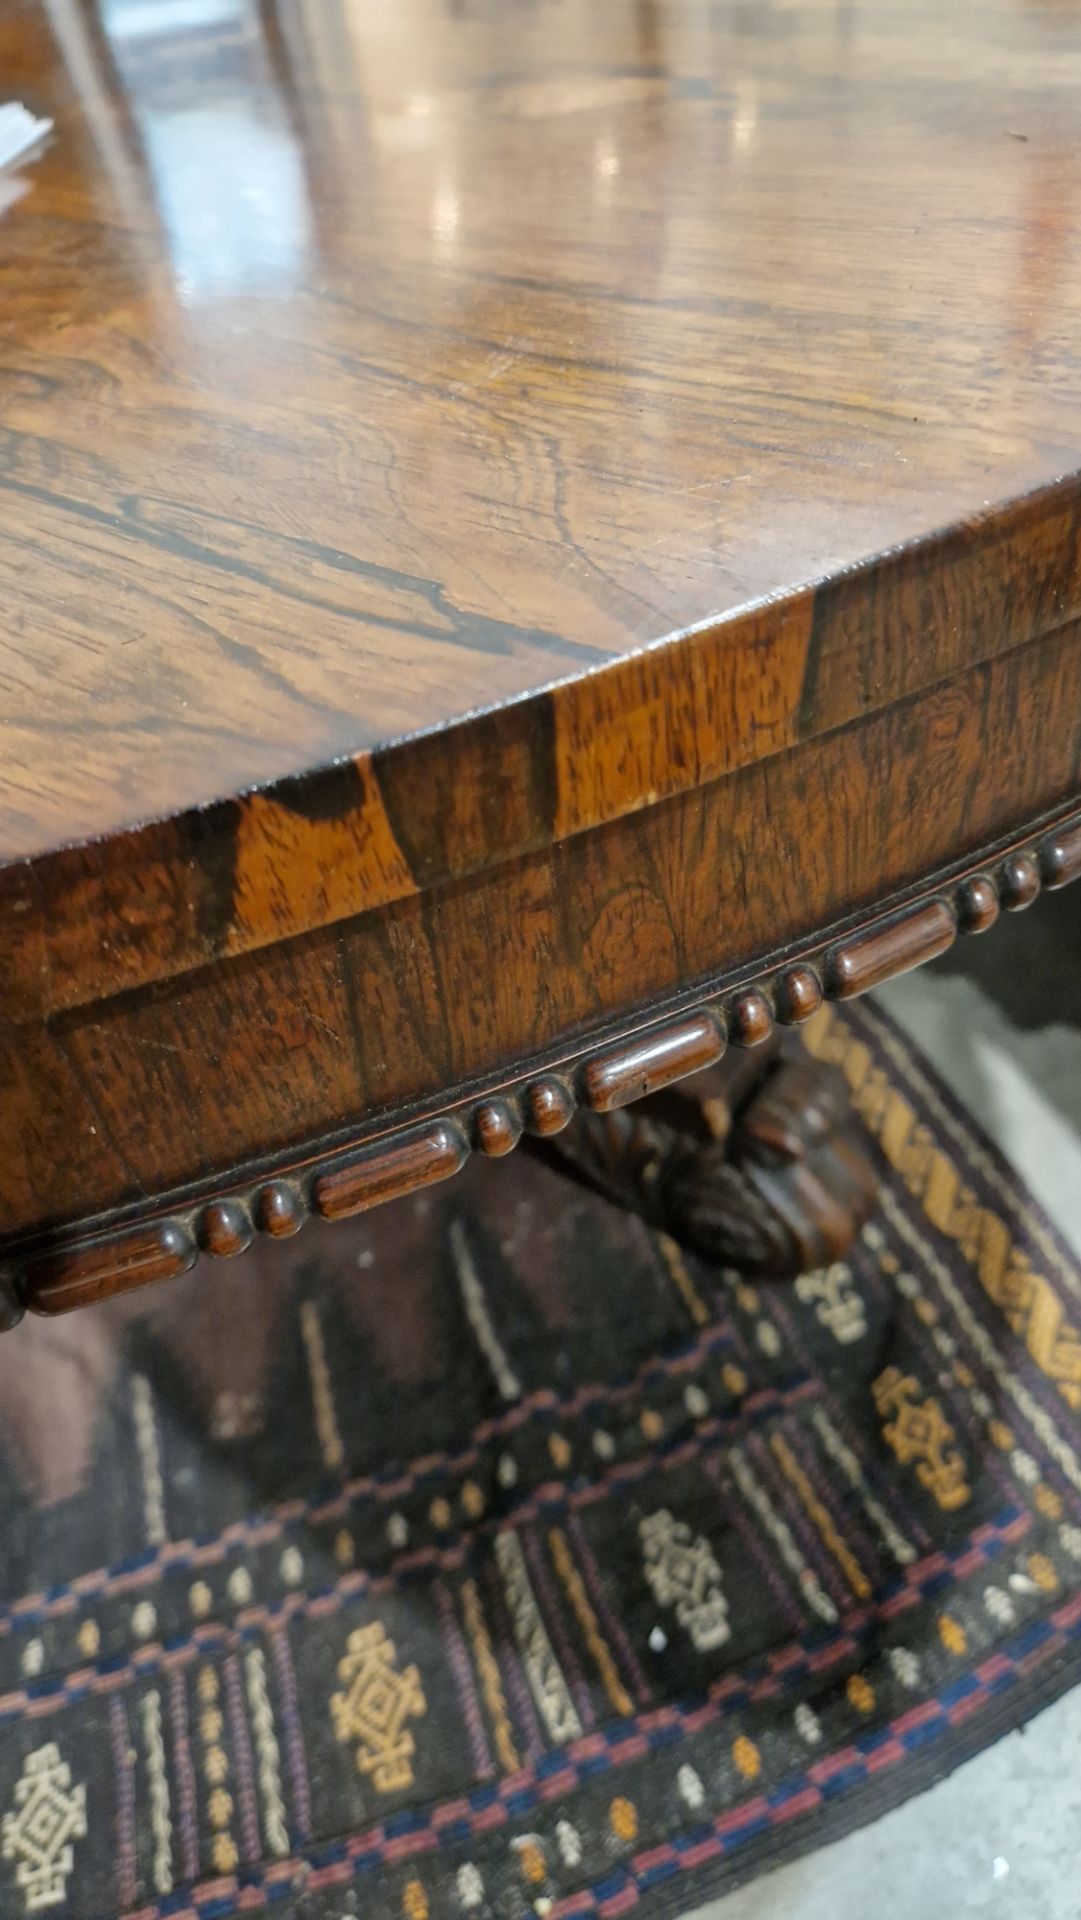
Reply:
x=489 y=1556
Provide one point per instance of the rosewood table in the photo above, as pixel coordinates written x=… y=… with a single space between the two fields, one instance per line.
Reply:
x=536 y=542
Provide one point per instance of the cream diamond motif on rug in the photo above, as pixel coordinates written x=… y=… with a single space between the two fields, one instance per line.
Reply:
x=49 y=1814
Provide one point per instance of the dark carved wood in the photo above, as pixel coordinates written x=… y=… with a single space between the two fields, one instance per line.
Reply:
x=614 y=1079
x=778 y=1183
x=799 y=1224
x=805 y=1179
x=484 y=632
x=905 y=942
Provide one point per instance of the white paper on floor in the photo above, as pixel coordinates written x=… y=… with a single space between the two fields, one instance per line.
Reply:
x=19 y=131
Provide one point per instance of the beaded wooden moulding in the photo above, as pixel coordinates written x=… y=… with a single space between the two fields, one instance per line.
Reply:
x=338 y=1179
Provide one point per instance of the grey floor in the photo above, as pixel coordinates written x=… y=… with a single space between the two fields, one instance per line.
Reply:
x=1002 y=1836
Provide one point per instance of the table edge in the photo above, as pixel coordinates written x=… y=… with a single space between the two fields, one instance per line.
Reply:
x=609 y=1067
x=86 y=922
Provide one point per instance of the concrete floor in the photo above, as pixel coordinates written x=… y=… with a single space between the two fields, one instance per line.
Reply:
x=1002 y=1837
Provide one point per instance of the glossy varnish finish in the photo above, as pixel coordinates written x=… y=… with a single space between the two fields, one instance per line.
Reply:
x=506 y=514
x=77 y=1269
x=129 y=909
x=362 y=1020
x=467 y=349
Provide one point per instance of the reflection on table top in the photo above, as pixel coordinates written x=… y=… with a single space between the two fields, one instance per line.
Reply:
x=363 y=363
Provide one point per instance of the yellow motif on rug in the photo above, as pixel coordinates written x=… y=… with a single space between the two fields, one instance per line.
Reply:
x=920 y=1433
x=1027 y=1299
x=375 y=1705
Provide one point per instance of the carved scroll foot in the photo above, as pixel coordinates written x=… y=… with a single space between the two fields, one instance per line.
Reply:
x=759 y=1163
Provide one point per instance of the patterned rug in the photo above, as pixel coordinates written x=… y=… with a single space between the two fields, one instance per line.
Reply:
x=493 y=1557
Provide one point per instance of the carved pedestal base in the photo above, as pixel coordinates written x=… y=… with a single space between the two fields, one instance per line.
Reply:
x=759 y=1163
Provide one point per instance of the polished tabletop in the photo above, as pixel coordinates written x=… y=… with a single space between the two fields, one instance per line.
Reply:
x=364 y=365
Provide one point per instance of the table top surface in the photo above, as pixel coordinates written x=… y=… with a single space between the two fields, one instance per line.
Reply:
x=363 y=366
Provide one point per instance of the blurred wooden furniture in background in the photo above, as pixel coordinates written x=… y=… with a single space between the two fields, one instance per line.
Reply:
x=535 y=542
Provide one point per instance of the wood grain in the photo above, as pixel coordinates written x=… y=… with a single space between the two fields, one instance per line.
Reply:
x=101 y=1268
x=530 y=524
x=1060 y=858
x=614 y=1080
x=497 y=361
x=906 y=942
x=337 y=1180
x=417 y=1160
x=359 y=1022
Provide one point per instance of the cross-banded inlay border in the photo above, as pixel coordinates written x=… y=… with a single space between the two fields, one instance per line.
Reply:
x=345 y=1179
